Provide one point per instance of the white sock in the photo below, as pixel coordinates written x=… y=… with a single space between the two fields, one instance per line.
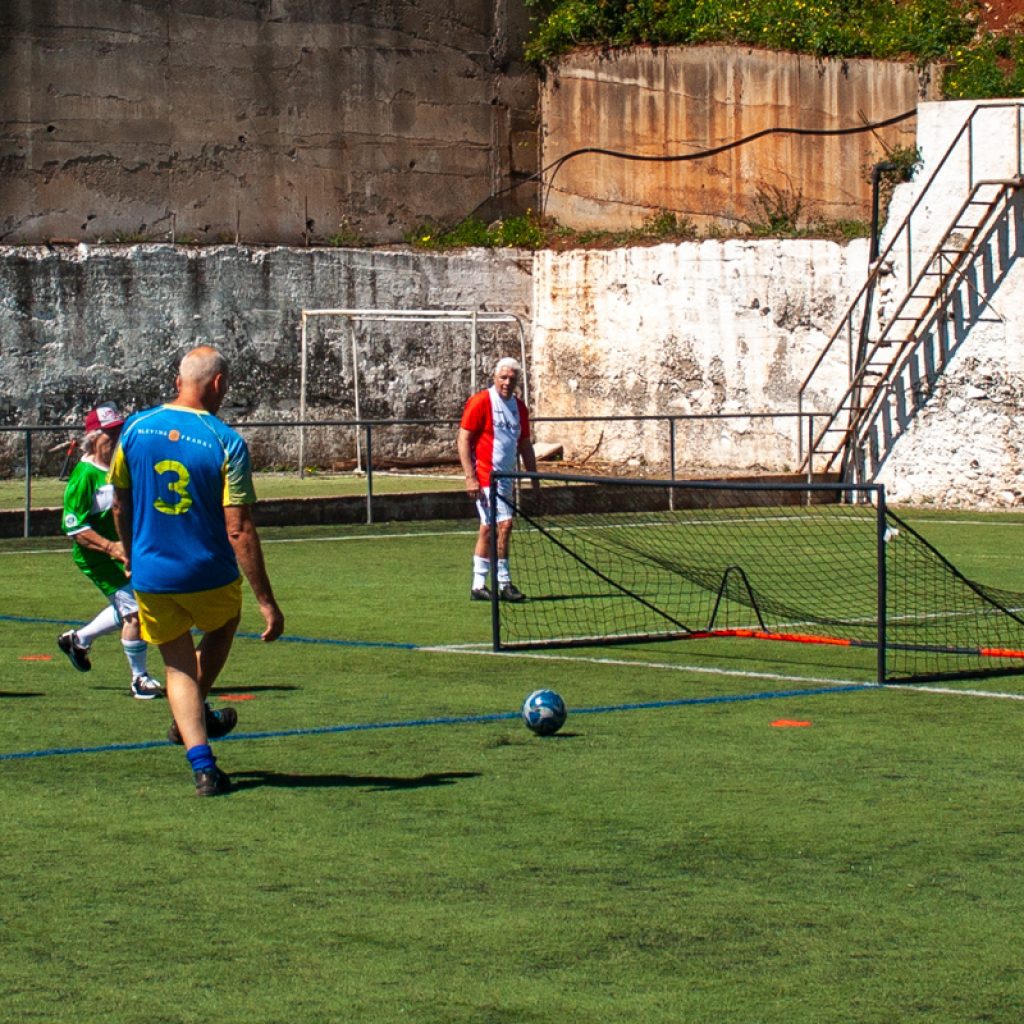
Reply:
x=106 y=622
x=503 y=574
x=481 y=567
x=135 y=651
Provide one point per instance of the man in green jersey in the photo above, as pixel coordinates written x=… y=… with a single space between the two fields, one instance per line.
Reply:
x=89 y=522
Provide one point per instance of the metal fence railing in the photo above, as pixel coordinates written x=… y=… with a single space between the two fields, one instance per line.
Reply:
x=367 y=445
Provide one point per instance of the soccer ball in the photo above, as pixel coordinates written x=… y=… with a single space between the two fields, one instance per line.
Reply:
x=544 y=712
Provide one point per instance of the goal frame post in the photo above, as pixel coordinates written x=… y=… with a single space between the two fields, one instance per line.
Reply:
x=353 y=317
x=817 y=492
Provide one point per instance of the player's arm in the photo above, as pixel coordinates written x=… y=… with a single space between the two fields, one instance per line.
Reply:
x=122 y=509
x=466 y=441
x=122 y=505
x=93 y=541
x=249 y=552
x=79 y=499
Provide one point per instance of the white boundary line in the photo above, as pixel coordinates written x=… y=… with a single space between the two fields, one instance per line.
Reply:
x=950 y=691
x=283 y=540
x=661 y=665
x=731 y=673
x=465 y=533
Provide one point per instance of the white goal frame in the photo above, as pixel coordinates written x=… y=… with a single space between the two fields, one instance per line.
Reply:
x=470 y=317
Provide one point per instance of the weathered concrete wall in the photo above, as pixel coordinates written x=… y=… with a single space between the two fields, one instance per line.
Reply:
x=80 y=325
x=734 y=327
x=712 y=328
x=281 y=121
x=677 y=101
x=965 y=445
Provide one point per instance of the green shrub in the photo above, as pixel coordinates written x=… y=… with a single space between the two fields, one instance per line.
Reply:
x=993 y=67
x=523 y=232
x=981 y=65
x=921 y=29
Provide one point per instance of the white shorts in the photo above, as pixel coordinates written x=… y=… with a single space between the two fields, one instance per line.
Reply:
x=124 y=602
x=504 y=509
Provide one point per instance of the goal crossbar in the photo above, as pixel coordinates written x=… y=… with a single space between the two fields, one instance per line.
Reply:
x=617 y=560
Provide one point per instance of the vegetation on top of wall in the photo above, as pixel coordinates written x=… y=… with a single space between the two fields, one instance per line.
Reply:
x=979 y=63
x=778 y=215
x=993 y=66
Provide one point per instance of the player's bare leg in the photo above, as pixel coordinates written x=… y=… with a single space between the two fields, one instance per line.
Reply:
x=212 y=654
x=182 y=688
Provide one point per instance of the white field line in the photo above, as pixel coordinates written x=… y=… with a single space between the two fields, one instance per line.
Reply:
x=948 y=690
x=736 y=673
x=285 y=540
x=660 y=665
x=472 y=533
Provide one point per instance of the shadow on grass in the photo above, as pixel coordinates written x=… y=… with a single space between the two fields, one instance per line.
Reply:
x=23 y=693
x=222 y=691
x=375 y=783
x=281 y=687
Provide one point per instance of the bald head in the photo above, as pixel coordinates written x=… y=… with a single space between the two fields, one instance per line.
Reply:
x=202 y=364
x=203 y=378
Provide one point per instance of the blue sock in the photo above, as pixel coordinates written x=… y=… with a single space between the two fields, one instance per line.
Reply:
x=201 y=757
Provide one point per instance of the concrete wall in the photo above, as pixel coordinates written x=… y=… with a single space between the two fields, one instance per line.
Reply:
x=964 y=444
x=703 y=328
x=280 y=121
x=734 y=327
x=79 y=325
x=713 y=327
x=678 y=101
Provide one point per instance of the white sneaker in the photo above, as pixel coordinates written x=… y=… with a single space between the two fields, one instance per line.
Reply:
x=145 y=687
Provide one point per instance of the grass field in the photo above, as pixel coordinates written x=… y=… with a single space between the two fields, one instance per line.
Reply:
x=401 y=848
x=48 y=491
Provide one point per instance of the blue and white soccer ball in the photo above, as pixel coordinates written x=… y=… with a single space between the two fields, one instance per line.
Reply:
x=544 y=712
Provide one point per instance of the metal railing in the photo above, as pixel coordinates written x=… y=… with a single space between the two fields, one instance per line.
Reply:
x=908 y=255
x=366 y=433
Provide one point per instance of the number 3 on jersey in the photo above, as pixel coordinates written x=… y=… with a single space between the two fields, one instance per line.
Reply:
x=174 y=477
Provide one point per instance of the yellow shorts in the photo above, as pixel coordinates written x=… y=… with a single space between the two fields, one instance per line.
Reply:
x=164 y=617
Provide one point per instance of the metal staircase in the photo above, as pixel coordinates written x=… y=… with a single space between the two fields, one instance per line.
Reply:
x=911 y=314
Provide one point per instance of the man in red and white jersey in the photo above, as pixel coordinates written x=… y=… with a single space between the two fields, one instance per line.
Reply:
x=493 y=435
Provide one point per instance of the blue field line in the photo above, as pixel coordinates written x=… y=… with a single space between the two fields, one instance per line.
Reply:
x=37 y=619
x=387 y=644
x=499 y=716
x=395 y=645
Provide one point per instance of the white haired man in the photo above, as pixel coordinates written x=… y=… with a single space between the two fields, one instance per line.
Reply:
x=493 y=435
x=89 y=521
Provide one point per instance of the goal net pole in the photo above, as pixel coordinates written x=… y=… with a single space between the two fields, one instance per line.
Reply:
x=608 y=560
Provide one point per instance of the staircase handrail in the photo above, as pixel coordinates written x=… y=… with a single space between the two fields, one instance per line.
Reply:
x=957 y=274
x=904 y=228
x=953 y=278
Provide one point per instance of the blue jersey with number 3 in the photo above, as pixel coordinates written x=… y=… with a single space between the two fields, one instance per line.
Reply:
x=182 y=466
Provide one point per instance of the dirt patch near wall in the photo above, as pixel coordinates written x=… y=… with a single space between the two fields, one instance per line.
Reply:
x=1003 y=15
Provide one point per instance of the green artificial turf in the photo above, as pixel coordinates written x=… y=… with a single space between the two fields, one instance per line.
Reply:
x=418 y=861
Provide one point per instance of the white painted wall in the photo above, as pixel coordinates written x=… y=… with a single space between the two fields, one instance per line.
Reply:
x=734 y=327
x=713 y=327
x=966 y=445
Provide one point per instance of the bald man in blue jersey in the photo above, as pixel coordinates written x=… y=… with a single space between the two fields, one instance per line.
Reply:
x=182 y=497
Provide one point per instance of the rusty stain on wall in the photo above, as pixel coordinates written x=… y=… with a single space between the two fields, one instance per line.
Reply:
x=683 y=101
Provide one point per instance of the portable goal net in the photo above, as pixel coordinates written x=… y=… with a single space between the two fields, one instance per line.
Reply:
x=620 y=560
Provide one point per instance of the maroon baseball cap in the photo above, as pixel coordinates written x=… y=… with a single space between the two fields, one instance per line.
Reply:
x=103 y=417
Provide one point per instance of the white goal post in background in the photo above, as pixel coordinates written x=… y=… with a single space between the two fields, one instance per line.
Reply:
x=470 y=318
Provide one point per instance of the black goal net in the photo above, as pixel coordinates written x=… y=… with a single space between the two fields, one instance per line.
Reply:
x=620 y=560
